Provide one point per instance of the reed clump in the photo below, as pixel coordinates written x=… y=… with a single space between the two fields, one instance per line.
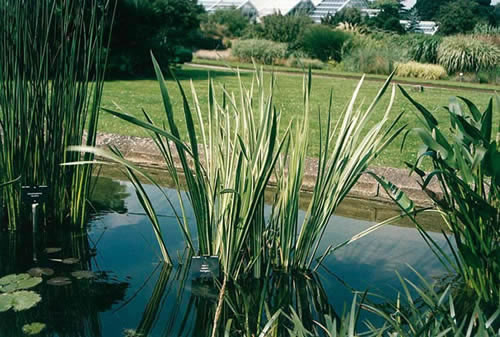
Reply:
x=52 y=71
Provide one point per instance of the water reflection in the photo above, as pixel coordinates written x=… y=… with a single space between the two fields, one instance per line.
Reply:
x=134 y=295
x=71 y=310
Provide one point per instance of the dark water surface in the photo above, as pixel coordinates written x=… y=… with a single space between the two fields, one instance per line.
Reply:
x=134 y=293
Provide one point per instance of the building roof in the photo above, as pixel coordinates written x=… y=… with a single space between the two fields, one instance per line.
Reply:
x=212 y=5
x=267 y=7
x=326 y=7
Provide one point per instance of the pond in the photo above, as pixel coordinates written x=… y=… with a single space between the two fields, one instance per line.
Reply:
x=130 y=293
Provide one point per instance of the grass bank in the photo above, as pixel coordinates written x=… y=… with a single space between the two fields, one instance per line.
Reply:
x=452 y=84
x=133 y=95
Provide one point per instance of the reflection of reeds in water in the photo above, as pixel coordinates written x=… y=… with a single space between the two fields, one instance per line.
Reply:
x=252 y=307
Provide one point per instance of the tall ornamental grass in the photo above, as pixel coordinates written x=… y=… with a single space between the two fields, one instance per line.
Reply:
x=420 y=70
x=262 y=51
x=51 y=78
x=462 y=53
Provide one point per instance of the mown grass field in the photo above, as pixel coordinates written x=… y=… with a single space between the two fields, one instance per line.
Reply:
x=132 y=96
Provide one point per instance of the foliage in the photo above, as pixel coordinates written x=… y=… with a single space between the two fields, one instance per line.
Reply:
x=242 y=148
x=305 y=63
x=485 y=29
x=16 y=282
x=163 y=26
x=423 y=48
x=468 y=172
x=283 y=28
x=388 y=18
x=428 y=9
x=49 y=100
x=461 y=16
x=222 y=23
x=420 y=70
x=350 y=15
x=264 y=51
x=19 y=300
x=431 y=313
x=466 y=53
x=33 y=328
x=324 y=43
x=367 y=55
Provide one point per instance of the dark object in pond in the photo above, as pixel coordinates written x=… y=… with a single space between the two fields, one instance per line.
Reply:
x=52 y=250
x=34 y=194
x=37 y=272
x=204 y=267
x=59 y=281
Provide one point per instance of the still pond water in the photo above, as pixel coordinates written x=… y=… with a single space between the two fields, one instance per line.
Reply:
x=133 y=292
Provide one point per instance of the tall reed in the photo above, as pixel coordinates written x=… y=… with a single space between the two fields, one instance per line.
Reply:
x=229 y=162
x=51 y=77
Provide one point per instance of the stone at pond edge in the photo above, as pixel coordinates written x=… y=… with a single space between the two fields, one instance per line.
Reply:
x=52 y=250
x=33 y=328
x=37 y=272
x=59 y=281
x=24 y=300
x=83 y=274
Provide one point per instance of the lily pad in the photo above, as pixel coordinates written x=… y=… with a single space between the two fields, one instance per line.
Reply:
x=33 y=328
x=83 y=274
x=37 y=272
x=59 y=281
x=5 y=302
x=70 y=260
x=52 y=250
x=13 y=278
x=14 y=282
x=24 y=300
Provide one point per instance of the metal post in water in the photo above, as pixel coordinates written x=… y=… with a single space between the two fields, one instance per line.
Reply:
x=35 y=228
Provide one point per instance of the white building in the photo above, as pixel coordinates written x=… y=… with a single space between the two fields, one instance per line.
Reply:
x=246 y=6
x=283 y=7
x=425 y=27
x=330 y=7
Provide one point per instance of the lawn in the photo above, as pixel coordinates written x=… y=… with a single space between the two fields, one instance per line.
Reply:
x=134 y=95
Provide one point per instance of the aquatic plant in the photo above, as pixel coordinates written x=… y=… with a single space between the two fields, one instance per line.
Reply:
x=33 y=328
x=466 y=166
x=52 y=70
x=424 y=310
x=228 y=163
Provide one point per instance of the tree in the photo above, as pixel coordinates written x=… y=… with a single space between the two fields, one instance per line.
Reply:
x=160 y=26
x=413 y=20
x=428 y=9
x=389 y=16
x=350 y=15
x=460 y=16
x=225 y=23
x=288 y=28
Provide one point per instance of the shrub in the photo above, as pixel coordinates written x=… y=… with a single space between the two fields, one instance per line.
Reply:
x=225 y=23
x=367 y=55
x=423 y=48
x=324 y=43
x=420 y=70
x=263 y=51
x=301 y=62
x=464 y=53
x=288 y=29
